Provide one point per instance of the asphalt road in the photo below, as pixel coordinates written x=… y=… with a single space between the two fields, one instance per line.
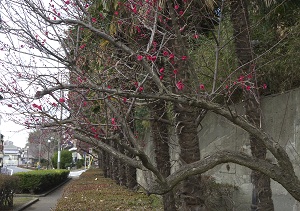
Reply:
x=15 y=169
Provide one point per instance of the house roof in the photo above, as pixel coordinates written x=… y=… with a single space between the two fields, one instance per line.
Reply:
x=10 y=149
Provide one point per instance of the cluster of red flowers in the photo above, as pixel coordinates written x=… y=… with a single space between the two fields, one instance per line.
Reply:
x=62 y=100
x=39 y=107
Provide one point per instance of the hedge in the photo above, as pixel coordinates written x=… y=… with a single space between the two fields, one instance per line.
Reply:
x=39 y=181
x=8 y=186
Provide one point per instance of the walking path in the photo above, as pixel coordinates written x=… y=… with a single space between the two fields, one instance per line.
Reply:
x=48 y=202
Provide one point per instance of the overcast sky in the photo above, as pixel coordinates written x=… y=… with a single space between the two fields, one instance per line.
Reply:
x=11 y=131
x=14 y=132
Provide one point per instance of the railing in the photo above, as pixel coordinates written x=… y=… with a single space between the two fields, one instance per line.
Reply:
x=7 y=171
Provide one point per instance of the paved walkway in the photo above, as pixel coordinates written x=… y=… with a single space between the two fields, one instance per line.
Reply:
x=49 y=201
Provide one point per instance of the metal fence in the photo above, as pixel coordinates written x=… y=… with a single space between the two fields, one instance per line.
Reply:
x=7 y=171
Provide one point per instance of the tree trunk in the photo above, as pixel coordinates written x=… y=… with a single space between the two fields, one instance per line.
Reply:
x=186 y=130
x=131 y=182
x=104 y=164
x=261 y=193
x=185 y=115
x=160 y=136
x=190 y=152
x=110 y=164
x=115 y=163
x=107 y=165
x=100 y=159
x=122 y=168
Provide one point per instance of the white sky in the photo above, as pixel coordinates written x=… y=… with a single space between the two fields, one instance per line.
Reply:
x=14 y=132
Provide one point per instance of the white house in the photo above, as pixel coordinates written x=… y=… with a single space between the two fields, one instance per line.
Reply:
x=11 y=154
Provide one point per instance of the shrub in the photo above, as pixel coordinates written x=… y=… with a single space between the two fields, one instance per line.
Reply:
x=79 y=163
x=40 y=181
x=8 y=186
x=65 y=159
x=216 y=196
x=44 y=162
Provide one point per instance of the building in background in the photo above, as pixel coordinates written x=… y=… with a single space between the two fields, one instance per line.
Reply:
x=12 y=154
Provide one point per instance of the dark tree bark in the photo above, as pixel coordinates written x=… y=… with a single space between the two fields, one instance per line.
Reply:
x=114 y=163
x=262 y=193
x=160 y=135
x=131 y=182
x=104 y=164
x=100 y=159
x=185 y=121
x=187 y=133
x=122 y=168
x=108 y=166
x=190 y=152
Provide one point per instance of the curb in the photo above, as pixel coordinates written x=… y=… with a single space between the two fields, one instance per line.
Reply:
x=24 y=206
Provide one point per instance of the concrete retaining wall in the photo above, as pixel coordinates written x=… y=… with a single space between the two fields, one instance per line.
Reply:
x=280 y=118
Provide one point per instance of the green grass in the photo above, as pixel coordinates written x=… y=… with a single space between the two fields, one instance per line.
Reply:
x=18 y=202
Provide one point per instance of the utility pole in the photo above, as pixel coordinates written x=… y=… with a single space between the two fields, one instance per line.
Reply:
x=59 y=149
x=27 y=157
x=60 y=140
x=40 y=149
x=49 y=142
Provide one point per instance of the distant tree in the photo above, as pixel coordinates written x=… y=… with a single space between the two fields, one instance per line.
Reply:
x=65 y=160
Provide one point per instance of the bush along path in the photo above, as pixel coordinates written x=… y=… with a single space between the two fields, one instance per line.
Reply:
x=94 y=192
x=41 y=181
